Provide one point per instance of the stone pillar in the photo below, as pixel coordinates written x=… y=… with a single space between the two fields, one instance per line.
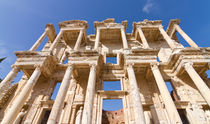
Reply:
x=124 y=40
x=185 y=36
x=73 y=114
x=21 y=98
x=20 y=117
x=57 y=106
x=90 y=91
x=134 y=91
x=70 y=99
x=39 y=41
x=79 y=40
x=97 y=39
x=169 y=104
x=199 y=83
x=79 y=116
x=143 y=39
x=167 y=38
x=57 y=39
x=8 y=79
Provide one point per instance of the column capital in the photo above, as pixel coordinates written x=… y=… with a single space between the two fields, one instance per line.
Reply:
x=174 y=78
x=39 y=66
x=160 y=26
x=47 y=30
x=154 y=65
x=62 y=30
x=71 y=65
x=130 y=65
x=15 y=67
x=186 y=65
x=92 y=66
x=98 y=28
x=122 y=28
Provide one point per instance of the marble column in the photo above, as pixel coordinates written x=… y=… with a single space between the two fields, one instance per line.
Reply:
x=185 y=36
x=89 y=96
x=135 y=94
x=8 y=79
x=73 y=114
x=21 y=98
x=199 y=83
x=169 y=104
x=59 y=101
x=39 y=41
x=70 y=99
x=143 y=39
x=170 y=42
x=79 y=116
x=79 y=40
x=97 y=38
x=57 y=39
x=124 y=40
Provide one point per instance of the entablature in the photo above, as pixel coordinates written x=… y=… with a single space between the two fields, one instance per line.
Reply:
x=198 y=57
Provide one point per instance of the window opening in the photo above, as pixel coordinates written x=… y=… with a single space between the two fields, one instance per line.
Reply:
x=112 y=111
x=111 y=85
x=182 y=114
x=55 y=92
x=111 y=59
x=45 y=117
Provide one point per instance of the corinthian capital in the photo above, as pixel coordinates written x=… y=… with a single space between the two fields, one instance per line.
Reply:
x=93 y=66
x=154 y=65
x=15 y=67
x=186 y=65
x=130 y=65
x=39 y=66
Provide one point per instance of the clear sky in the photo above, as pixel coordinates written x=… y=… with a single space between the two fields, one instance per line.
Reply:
x=23 y=21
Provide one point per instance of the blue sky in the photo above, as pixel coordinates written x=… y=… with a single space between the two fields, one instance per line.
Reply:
x=23 y=21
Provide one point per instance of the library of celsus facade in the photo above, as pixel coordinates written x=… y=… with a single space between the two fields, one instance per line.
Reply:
x=148 y=60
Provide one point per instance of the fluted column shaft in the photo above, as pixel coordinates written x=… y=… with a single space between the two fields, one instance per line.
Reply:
x=79 y=40
x=57 y=39
x=21 y=98
x=185 y=36
x=88 y=105
x=167 y=38
x=199 y=83
x=97 y=39
x=39 y=41
x=169 y=104
x=143 y=39
x=124 y=40
x=138 y=109
x=8 y=79
x=57 y=106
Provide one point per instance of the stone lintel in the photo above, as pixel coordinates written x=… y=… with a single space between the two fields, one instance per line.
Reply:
x=170 y=27
x=51 y=32
x=109 y=23
x=146 y=24
x=73 y=24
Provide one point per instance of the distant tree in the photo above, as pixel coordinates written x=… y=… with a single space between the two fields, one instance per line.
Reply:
x=1 y=59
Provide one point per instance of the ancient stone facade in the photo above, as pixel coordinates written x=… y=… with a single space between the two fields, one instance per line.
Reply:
x=147 y=58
